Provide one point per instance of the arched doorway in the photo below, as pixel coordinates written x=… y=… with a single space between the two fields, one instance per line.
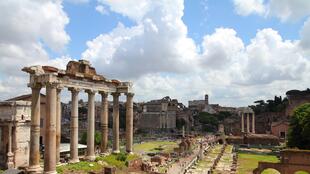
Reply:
x=301 y=172
x=270 y=171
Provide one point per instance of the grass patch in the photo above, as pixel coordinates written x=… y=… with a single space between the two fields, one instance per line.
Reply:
x=119 y=160
x=155 y=146
x=80 y=167
x=248 y=162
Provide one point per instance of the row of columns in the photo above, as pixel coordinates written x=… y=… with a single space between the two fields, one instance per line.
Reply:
x=53 y=126
x=248 y=122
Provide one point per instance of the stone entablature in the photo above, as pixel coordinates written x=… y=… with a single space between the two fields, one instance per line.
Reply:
x=76 y=76
x=14 y=111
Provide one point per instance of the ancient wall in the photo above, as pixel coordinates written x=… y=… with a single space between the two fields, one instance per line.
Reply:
x=277 y=128
x=150 y=120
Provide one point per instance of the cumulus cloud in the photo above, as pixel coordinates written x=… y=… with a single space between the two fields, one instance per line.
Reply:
x=27 y=28
x=247 y=7
x=221 y=48
x=285 y=10
x=271 y=58
x=102 y=10
x=305 y=35
x=158 y=43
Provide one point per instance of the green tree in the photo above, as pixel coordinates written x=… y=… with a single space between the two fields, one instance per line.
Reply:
x=209 y=121
x=299 y=130
x=97 y=138
x=180 y=123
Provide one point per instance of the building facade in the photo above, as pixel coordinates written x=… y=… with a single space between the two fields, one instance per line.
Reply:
x=15 y=117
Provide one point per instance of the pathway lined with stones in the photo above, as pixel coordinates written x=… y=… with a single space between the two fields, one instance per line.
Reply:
x=225 y=162
x=204 y=165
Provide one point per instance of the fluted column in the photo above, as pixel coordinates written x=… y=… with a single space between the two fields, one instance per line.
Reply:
x=74 y=136
x=248 y=122
x=91 y=126
x=242 y=122
x=116 y=122
x=129 y=122
x=50 y=130
x=34 y=148
x=253 y=123
x=104 y=121
x=58 y=124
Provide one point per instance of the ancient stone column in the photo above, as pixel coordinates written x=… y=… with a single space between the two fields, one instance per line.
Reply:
x=116 y=122
x=10 y=155
x=242 y=122
x=104 y=121
x=248 y=122
x=74 y=138
x=58 y=124
x=34 y=148
x=50 y=129
x=253 y=123
x=91 y=126
x=129 y=122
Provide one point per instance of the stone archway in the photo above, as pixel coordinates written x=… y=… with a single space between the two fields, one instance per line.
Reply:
x=262 y=166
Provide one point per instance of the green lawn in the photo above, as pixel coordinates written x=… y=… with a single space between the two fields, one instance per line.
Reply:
x=153 y=146
x=117 y=160
x=81 y=167
x=248 y=162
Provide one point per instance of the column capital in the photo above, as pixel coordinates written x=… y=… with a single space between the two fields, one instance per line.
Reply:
x=129 y=94
x=51 y=84
x=35 y=85
x=59 y=88
x=74 y=90
x=115 y=94
x=103 y=93
x=90 y=91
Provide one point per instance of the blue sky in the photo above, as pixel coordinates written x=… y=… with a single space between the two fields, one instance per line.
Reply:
x=237 y=51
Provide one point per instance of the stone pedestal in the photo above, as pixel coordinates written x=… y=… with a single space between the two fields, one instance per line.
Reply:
x=34 y=151
x=74 y=139
x=104 y=122
x=116 y=122
x=50 y=130
x=129 y=122
x=91 y=126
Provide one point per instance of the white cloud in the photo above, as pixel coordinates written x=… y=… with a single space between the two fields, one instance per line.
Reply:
x=247 y=7
x=28 y=27
x=158 y=43
x=134 y=9
x=271 y=58
x=305 y=35
x=78 y=1
x=288 y=9
x=102 y=10
x=285 y=10
x=221 y=48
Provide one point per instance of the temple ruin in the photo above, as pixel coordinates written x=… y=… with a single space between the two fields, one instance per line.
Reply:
x=250 y=125
x=78 y=76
